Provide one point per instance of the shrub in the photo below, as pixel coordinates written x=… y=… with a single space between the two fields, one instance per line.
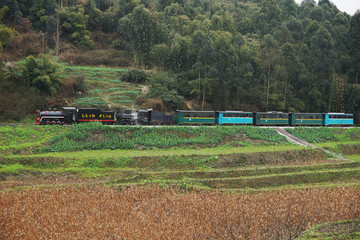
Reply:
x=134 y=76
x=41 y=73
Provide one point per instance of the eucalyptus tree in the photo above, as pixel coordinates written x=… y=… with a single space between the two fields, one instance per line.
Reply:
x=354 y=45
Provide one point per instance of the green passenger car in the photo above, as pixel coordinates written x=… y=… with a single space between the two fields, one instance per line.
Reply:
x=183 y=117
x=306 y=119
x=271 y=118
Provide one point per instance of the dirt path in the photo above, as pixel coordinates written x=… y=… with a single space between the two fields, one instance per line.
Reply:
x=296 y=140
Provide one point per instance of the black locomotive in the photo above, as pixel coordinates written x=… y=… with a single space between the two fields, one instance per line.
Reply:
x=70 y=115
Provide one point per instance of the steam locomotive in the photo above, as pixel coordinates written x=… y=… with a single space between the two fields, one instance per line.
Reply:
x=70 y=115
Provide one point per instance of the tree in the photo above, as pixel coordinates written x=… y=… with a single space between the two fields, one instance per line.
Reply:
x=74 y=22
x=354 y=44
x=224 y=68
x=41 y=73
x=203 y=51
x=142 y=27
x=95 y=15
x=3 y=11
x=323 y=60
x=40 y=11
x=162 y=85
x=160 y=55
x=269 y=16
x=310 y=31
x=179 y=54
x=295 y=28
x=288 y=8
x=268 y=55
x=290 y=73
x=14 y=11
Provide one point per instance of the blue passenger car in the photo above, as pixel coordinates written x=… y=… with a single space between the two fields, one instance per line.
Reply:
x=233 y=117
x=338 y=119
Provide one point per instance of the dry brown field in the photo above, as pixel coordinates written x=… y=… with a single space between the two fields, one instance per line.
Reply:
x=153 y=212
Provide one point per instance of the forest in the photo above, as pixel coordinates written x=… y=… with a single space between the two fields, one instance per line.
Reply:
x=255 y=55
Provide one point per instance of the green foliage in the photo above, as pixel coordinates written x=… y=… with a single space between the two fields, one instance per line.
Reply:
x=41 y=73
x=253 y=54
x=162 y=86
x=267 y=134
x=74 y=23
x=26 y=136
x=6 y=35
x=3 y=10
x=134 y=76
x=95 y=136
x=40 y=11
x=314 y=135
x=142 y=26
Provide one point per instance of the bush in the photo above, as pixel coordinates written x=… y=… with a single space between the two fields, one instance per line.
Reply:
x=134 y=76
x=162 y=86
x=6 y=35
x=41 y=73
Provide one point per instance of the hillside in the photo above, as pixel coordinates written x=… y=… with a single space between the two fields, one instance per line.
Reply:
x=254 y=55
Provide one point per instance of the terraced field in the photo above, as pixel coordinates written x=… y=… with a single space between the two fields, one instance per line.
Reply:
x=237 y=158
x=105 y=89
x=234 y=160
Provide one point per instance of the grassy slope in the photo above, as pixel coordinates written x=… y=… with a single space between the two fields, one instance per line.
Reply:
x=106 y=90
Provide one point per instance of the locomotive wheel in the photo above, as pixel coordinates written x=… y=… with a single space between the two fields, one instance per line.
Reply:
x=58 y=122
x=47 y=122
x=53 y=122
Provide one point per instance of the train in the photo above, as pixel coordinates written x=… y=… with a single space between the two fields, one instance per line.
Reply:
x=71 y=115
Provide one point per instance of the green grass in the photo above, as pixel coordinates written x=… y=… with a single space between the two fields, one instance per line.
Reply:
x=94 y=69
x=122 y=101
x=344 y=230
x=106 y=154
x=27 y=136
x=132 y=92
x=354 y=157
x=313 y=135
x=95 y=136
x=325 y=134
